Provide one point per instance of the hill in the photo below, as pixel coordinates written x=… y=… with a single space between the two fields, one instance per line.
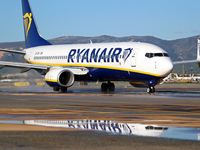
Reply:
x=180 y=49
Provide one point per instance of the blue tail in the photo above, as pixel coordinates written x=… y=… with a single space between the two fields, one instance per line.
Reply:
x=32 y=36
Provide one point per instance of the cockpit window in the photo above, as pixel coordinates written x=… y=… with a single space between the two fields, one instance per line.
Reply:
x=158 y=54
x=166 y=55
x=155 y=128
x=150 y=55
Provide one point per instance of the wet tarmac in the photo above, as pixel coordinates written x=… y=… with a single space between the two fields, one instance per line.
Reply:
x=172 y=112
x=114 y=127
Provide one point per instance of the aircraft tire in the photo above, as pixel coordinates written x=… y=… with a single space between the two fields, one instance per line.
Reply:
x=111 y=87
x=104 y=87
x=151 y=89
x=64 y=89
x=56 y=88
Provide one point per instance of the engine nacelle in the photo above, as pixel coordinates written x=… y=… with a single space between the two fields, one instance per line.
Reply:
x=59 y=77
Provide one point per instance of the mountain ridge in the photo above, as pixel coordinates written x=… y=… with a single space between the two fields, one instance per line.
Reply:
x=179 y=49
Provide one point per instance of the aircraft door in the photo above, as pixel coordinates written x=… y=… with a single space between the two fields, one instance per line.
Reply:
x=134 y=57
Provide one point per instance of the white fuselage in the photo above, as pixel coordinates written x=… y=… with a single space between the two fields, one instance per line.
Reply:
x=133 y=57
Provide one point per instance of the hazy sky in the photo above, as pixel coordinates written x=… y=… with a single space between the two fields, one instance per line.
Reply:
x=165 y=19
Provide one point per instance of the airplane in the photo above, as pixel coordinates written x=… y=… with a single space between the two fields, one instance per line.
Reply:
x=185 y=77
x=141 y=64
x=195 y=77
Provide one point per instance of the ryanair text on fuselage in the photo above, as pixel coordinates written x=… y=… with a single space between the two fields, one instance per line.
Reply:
x=91 y=55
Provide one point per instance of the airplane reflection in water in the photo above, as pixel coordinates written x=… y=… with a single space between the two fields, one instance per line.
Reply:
x=183 y=133
x=104 y=125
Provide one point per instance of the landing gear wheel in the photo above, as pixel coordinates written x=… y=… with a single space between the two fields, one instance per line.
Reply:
x=111 y=87
x=151 y=89
x=104 y=87
x=107 y=87
x=64 y=89
x=56 y=88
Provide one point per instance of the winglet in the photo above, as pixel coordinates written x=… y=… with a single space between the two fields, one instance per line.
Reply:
x=32 y=36
x=198 y=49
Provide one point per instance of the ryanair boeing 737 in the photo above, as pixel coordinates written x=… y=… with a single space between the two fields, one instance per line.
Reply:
x=141 y=64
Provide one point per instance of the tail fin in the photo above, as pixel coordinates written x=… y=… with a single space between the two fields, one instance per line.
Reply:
x=32 y=36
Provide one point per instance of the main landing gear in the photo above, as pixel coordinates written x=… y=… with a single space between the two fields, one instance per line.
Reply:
x=107 y=87
x=151 y=89
x=63 y=89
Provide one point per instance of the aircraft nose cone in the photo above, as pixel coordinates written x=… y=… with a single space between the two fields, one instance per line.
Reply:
x=169 y=67
x=165 y=67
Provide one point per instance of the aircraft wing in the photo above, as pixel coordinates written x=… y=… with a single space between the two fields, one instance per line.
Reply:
x=26 y=67
x=13 y=51
x=186 y=62
x=191 y=61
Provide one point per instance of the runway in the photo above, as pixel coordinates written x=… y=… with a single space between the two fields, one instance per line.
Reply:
x=172 y=106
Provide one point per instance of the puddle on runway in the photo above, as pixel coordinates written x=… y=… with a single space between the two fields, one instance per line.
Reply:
x=122 y=128
x=182 y=133
x=178 y=94
x=21 y=116
x=114 y=127
x=11 y=121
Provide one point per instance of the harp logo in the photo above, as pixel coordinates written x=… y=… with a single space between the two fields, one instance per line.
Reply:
x=127 y=52
x=27 y=22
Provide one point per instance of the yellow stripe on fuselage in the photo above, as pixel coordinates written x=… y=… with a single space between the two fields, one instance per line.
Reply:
x=50 y=80
x=96 y=66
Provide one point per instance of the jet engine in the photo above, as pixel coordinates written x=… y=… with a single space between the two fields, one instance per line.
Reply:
x=59 y=77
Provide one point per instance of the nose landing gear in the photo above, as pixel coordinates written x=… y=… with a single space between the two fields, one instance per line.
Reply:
x=107 y=87
x=151 y=89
